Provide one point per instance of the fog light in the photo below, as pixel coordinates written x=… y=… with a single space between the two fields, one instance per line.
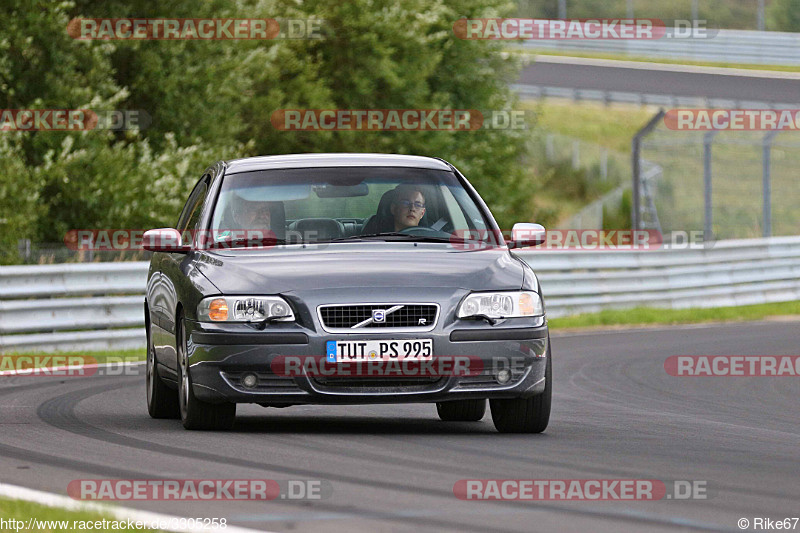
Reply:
x=504 y=376
x=250 y=380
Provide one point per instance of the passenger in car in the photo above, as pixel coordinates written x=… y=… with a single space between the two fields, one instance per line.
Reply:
x=408 y=206
x=251 y=215
x=247 y=218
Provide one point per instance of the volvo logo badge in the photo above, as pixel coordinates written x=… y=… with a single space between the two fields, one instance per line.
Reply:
x=378 y=316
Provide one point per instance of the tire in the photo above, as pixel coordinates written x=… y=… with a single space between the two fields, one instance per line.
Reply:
x=461 y=410
x=162 y=402
x=196 y=414
x=525 y=415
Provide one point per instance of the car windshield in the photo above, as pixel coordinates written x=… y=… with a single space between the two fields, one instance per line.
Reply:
x=331 y=204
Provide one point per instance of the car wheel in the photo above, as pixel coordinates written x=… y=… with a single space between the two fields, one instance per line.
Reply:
x=525 y=415
x=196 y=414
x=162 y=402
x=461 y=410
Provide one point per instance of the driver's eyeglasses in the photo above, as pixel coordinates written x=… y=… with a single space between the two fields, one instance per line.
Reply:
x=408 y=204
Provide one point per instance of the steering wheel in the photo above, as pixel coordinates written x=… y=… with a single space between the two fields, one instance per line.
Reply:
x=423 y=231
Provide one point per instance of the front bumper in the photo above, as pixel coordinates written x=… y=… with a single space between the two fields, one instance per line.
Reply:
x=220 y=356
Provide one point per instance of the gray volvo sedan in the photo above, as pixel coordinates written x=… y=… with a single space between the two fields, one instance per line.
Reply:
x=344 y=279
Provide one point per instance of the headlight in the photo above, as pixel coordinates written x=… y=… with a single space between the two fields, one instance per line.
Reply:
x=502 y=304
x=244 y=309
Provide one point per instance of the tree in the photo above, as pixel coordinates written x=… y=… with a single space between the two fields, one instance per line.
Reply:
x=211 y=100
x=784 y=15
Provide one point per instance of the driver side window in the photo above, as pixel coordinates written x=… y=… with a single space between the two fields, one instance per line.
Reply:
x=191 y=211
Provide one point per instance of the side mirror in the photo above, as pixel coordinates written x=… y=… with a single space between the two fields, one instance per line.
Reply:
x=164 y=240
x=525 y=234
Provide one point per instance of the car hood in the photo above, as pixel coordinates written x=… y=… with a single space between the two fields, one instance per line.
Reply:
x=358 y=265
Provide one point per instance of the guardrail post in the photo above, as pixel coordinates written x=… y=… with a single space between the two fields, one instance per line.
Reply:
x=24 y=247
x=708 y=140
x=604 y=163
x=766 y=184
x=636 y=148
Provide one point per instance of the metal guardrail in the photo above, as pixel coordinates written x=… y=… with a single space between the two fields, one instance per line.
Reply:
x=726 y=46
x=729 y=273
x=99 y=306
x=76 y=306
x=663 y=100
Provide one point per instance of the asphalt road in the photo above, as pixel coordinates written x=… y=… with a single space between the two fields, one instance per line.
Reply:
x=616 y=414
x=664 y=82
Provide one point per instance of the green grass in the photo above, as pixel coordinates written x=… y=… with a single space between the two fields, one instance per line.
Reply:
x=47 y=359
x=113 y=355
x=640 y=59
x=610 y=126
x=648 y=315
x=23 y=511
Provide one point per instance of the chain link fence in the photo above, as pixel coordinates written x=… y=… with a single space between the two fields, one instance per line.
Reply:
x=731 y=184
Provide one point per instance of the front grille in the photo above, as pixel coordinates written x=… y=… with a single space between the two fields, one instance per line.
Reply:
x=380 y=385
x=375 y=382
x=422 y=316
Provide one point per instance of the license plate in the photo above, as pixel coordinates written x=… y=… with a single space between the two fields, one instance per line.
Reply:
x=383 y=350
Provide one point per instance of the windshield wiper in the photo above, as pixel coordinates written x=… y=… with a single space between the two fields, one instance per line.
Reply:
x=246 y=243
x=373 y=235
x=392 y=235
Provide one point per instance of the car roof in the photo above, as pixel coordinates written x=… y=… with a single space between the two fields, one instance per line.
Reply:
x=269 y=162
